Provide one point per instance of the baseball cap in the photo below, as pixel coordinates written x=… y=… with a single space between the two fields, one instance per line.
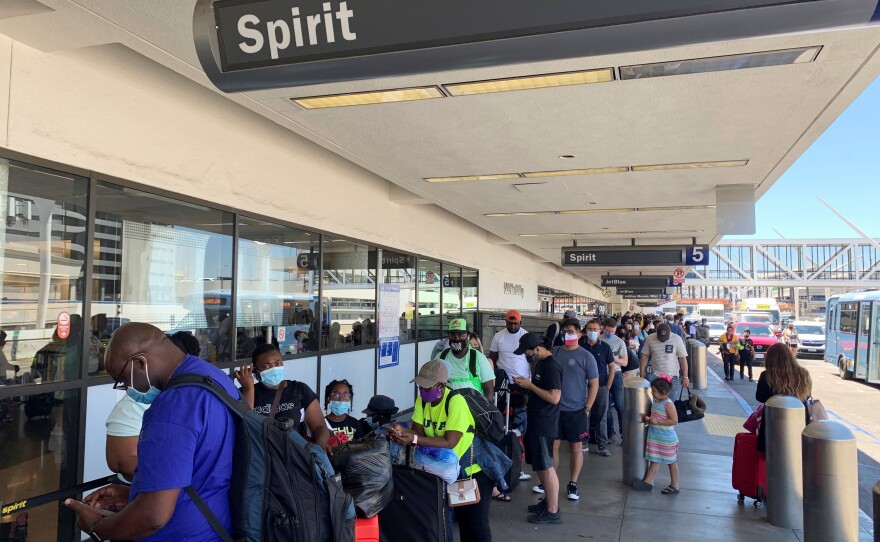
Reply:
x=459 y=324
x=663 y=332
x=528 y=342
x=570 y=314
x=513 y=316
x=432 y=373
x=381 y=404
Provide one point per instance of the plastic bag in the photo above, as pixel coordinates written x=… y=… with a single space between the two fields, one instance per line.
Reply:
x=441 y=462
x=365 y=467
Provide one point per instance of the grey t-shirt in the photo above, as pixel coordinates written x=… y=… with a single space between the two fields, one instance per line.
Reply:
x=578 y=366
x=618 y=347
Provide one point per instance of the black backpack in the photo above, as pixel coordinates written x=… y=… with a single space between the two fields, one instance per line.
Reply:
x=282 y=487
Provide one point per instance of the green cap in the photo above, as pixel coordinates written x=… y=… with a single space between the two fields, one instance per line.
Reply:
x=459 y=324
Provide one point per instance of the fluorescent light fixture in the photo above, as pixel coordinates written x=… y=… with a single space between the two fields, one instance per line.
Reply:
x=525 y=213
x=494 y=177
x=587 y=77
x=691 y=165
x=370 y=98
x=596 y=211
x=721 y=63
x=566 y=172
x=599 y=233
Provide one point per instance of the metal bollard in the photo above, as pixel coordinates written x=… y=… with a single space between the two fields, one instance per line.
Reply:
x=697 y=368
x=877 y=510
x=636 y=405
x=785 y=420
x=831 y=488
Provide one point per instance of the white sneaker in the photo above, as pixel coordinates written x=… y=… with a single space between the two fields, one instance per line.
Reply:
x=523 y=476
x=538 y=489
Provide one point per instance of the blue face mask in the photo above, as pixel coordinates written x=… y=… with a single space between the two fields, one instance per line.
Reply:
x=340 y=408
x=608 y=335
x=142 y=397
x=272 y=377
x=593 y=335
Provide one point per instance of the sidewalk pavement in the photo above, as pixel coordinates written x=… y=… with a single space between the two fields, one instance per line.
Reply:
x=706 y=509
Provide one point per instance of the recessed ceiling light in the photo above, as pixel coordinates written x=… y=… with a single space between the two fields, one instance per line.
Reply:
x=494 y=177
x=567 y=172
x=592 y=203
x=691 y=165
x=567 y=156
x=721 y=63
x=370 y=98
x=603 y=75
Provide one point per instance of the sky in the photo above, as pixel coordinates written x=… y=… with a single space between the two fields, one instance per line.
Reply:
x=841 y=167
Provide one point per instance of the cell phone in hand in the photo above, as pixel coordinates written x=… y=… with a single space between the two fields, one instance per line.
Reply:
x=101 y=511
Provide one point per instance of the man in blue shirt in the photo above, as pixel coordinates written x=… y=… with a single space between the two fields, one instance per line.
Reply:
x=187 y=439
x=605 y=365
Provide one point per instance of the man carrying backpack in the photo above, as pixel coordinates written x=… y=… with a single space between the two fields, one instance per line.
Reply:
x=468 y=367
x=187 y=439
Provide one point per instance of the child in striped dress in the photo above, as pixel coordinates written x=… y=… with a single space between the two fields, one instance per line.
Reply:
x=662 y=442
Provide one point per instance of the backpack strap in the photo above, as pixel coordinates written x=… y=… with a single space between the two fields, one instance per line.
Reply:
x=444 y=353
x=472 y=363
x=209 y=515
x=277 y=399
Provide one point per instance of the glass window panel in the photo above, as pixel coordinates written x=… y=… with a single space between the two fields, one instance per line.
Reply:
x=43 y=219
x=163 y=262
x=349 y=290
x=400 y=269
x=39 y=441
x=277 y=288
x=470 y=296
x=429 y=324
x=451 y=292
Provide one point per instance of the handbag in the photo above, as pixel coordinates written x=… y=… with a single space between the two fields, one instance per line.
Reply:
x=685 y=410
x=816 y=409
x=754 y=420
x=463 y=492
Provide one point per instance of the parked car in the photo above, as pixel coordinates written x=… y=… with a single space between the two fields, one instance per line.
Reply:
x=716 y=330
x=762 y=336
x=811 y=338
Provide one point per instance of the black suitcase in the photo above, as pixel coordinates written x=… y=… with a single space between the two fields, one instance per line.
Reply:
x=39 y=405
x=418 y=510
x=509 y=444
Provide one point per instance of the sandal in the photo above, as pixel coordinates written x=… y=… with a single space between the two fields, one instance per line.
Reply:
x=669 y=490
x=640 y=485
x=503 y=497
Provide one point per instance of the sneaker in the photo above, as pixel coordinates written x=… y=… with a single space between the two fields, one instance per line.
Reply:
x=537 y=508
x=545 y=517
x=523 y=476
x=538 y=489
x=618 y=440
x=573 y=493
x=604 y=452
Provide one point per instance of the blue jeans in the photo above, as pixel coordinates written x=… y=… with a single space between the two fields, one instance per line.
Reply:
x=615 y=402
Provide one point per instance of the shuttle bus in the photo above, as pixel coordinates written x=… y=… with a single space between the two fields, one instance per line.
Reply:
x=852 y=335
x=763 y=304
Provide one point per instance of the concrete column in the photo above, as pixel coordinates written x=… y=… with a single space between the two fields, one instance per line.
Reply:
x=636 y=405
x=831 y=483
x=785 y=420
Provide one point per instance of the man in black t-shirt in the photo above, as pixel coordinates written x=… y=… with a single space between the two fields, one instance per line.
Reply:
x=545 y=392
x=746 y=353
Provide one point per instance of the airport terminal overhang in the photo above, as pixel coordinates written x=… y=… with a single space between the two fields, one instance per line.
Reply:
x=608 y=149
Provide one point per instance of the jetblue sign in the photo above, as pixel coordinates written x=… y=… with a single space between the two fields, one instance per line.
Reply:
x=635 y=256
x=637 y=282
x=254 y=44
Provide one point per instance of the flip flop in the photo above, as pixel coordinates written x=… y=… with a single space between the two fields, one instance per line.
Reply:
x=669 y=490
x=639 y=485
x=503 y=497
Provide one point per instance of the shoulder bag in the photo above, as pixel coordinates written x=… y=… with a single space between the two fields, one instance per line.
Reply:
x=463 y=492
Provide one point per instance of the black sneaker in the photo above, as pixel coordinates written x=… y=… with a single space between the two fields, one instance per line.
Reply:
x=604 y=452
x=537 y=508
x=573 y=493
x=545 y=517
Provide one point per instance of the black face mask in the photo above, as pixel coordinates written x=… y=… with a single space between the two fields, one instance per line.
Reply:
x=534 y=358
x=458 y=346
x=512 y=329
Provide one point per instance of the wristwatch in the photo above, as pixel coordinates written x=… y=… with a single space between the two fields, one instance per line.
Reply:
x=415 y=439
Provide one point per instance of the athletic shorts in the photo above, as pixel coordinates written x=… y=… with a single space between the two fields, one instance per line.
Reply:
x=574 y=426
x=539 y=452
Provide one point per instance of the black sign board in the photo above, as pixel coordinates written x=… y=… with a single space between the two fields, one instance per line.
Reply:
x=645 y=296
x=242 y=44
x=641 y=291
x=632 y=256
x=637 y=282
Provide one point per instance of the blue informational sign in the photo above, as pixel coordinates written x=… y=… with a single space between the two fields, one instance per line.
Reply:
x=389 y=352
x=696 y=255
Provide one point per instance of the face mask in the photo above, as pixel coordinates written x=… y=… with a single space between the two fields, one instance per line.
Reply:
x=339 y=408
x=609 y=334
x=146 y=397
x=571 y=338
x=512 y=329
x=593 y=335
x=636 y=328
x=651 y=327
x=534 y=358
x=458 y=346
x=272 y=377
x=431 y=395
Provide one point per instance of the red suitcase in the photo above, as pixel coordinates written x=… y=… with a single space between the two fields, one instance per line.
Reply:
x=749 y=469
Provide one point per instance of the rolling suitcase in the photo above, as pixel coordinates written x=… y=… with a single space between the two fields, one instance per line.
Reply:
x=749 y=469
x=510 y=443
x=418 y=509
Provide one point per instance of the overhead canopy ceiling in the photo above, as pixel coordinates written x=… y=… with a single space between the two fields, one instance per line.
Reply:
x=766 y=116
